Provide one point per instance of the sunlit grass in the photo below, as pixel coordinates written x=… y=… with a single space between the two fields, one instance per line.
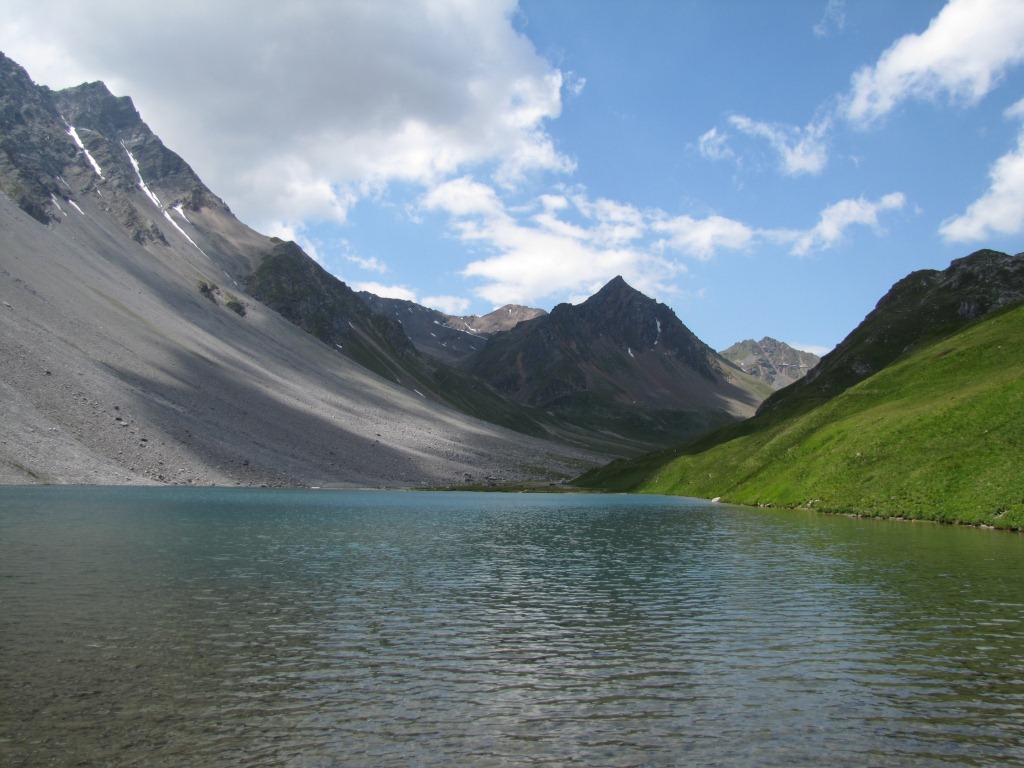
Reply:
x=938 y=435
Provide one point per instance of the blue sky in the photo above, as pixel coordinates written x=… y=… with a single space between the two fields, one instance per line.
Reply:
x=764 y=168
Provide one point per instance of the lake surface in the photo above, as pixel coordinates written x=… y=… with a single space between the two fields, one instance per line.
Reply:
x=153 y=627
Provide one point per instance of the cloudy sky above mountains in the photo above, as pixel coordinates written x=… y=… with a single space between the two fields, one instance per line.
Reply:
x=763 y=168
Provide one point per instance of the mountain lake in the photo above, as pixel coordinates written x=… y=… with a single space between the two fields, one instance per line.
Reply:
x=186 y=626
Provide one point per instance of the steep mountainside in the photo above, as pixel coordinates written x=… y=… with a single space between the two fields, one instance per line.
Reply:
x=449 y=338
x=620 y=363
x=937 y=435
x=922 y=307
x=290 y=282
x=773 y=362
x=136 y=352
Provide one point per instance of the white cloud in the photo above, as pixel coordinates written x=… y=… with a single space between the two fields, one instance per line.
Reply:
x=801 y=150
x=963 y=53
x=836 y=218
x=464 y=197
x=834 y=18
x=702 y=238
x=567 y=246
x=384 y=291
x=370 y=264
x=574 y=83
x=614 y=224
x=1001 y=208
x=563 y=245
x=294 y=111
x=715 y=146
x=450 y=305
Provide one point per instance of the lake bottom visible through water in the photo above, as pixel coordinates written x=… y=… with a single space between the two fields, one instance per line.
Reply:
x=181 y=626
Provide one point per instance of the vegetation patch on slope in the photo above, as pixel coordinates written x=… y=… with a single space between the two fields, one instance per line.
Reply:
x=938 y=435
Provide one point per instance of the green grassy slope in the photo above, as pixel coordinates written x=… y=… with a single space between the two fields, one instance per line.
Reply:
x=937 y=435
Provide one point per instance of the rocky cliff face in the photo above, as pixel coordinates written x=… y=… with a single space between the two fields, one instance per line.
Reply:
x=924 y=306
x=58 y=147
x=773 y=362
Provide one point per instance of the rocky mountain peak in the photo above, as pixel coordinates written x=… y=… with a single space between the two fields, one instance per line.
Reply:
x=636 y=322
x=93 y=107
x=772 y=361
x=59 y=147
x=620 y=362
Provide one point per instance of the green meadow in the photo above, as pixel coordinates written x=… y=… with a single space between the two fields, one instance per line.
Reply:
x=937 y=435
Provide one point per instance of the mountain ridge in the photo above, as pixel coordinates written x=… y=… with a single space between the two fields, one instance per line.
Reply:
x=933 y=433
x=449 y=338
x=925 y=305
x=620 y=362
x=132 y=360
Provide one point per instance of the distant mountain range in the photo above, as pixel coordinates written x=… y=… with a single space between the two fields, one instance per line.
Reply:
x=175 y=344
x=449 y=338
x=918 y=413
x=618 y=363
x=773 y=362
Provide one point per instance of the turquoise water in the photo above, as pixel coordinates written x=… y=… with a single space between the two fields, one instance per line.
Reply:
x=173 y=627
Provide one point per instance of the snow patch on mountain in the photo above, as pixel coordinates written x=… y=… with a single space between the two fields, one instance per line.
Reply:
x=78 y=141
x=167 y=215
x=142 y=183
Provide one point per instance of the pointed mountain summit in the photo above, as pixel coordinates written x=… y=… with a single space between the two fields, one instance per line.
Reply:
x=620 y=363
x=772 y=361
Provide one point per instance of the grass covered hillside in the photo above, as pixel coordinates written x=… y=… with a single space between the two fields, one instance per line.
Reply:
x=937 y=435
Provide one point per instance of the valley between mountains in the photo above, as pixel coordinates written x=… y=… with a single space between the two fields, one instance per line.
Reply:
x=149 y=336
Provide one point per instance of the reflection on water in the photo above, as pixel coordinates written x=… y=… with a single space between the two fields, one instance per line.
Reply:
x=221 y=627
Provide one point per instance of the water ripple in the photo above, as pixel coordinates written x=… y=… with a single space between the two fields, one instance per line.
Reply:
x=160 y=628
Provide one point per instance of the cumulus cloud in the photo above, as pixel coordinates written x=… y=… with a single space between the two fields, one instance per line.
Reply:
x=294 y=111
x=703 y=238
x=1001 y=209
x=567 y=246
x=835 y=219
x=801 y=150
x=563 y=245
x=962 y=54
